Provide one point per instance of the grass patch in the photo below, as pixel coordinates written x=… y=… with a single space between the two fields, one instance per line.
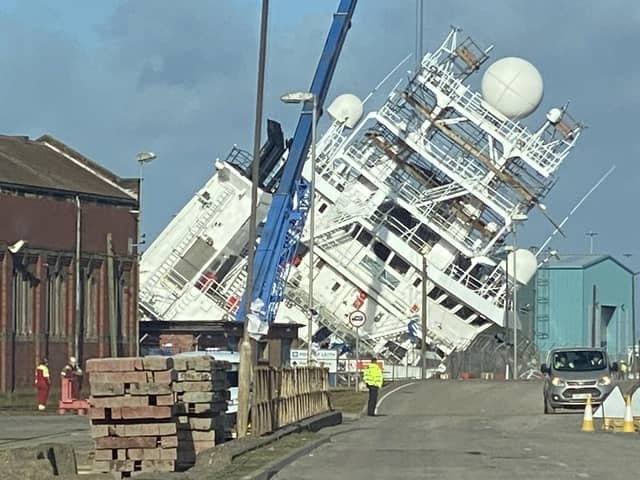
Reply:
x=24 y=402
x=250 y=462
x=348 y=401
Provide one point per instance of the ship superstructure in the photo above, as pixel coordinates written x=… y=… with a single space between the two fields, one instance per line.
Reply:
x=438 y=172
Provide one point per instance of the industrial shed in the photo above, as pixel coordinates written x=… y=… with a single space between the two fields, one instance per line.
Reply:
x=68 y=263
x=584 y=300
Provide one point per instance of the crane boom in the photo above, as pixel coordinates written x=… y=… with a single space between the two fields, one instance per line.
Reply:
x=290 y=203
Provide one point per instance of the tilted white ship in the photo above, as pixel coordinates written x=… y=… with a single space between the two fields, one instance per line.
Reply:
x=439 y=171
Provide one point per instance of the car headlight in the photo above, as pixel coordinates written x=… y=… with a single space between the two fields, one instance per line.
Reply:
x=604 y=381
x=557 y=382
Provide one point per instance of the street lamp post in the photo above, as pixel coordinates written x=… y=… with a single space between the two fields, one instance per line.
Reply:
x=518 y=217
x=634 y=357
x=423 y=320
x=591 y=234
x=245 y=350
x=507 y=298
x=142 y=158
x=303 y=97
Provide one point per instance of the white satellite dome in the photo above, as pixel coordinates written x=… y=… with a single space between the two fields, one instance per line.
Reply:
x=526 y=265
x=346 y=108
x=513 y=86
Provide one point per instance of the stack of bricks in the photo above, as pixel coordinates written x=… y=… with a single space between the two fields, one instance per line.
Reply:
x=201 y=391
x=132 y=417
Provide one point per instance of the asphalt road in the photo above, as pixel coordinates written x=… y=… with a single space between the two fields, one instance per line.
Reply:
x=31 y=430
x=469 y=430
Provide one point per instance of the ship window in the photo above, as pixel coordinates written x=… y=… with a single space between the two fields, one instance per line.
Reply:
x=435 y=293
x=197 y=256
x=399 y=265
x=389 y=280
x=321 y=263
x=302 y=250
x=381 y=251
x=335 y=287
x=417 y=282
x=322 y=208
x=364 y=237
x=426 y=235
x=371 y=265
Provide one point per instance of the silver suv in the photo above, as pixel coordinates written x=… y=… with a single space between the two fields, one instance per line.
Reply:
x=571 y=375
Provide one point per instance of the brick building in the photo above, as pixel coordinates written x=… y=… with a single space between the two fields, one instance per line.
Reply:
x=54 y=204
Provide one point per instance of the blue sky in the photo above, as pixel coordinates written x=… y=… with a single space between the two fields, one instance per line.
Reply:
x=112 y=78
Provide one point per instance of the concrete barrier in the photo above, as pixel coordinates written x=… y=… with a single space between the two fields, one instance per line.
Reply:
x=42 y=462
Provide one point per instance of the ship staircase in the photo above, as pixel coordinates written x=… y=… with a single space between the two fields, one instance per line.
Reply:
x=165 y=282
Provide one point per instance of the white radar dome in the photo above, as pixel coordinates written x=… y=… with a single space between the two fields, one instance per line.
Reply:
x=526 y=265
x=513 y=86
x=346 y=108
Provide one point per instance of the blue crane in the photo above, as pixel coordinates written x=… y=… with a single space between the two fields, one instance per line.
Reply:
x=290 y=203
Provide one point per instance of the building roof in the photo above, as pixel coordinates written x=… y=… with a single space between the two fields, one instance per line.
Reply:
x=50 y=165
x=580 y=261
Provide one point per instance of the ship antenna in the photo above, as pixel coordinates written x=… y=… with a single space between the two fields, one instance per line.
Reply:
x=386 y=77
x=586 y=195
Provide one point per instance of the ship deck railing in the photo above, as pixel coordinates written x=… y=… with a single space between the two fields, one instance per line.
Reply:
x=408 y=194
x=466 y=169
x=537 y=154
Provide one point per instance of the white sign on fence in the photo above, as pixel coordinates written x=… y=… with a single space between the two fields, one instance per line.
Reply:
x=326 y=358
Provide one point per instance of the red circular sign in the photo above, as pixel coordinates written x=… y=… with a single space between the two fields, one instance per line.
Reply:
x=357 y=318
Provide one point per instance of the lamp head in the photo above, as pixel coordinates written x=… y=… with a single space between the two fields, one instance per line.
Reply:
x=297 y=97
x=16 y=247
x=145 y=157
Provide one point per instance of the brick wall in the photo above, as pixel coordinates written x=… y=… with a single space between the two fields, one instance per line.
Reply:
x=48 y=226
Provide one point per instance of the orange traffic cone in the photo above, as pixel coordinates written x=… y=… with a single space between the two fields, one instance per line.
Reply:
x=587 y=420
x=628 y=427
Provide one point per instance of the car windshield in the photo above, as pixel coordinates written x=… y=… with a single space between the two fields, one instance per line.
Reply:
x=578 y=361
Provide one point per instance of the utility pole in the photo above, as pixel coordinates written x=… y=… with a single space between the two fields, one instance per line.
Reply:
x=312 y=229
x=423 y=345
x=357 y=358
x=506 y=312
x=593 y=317
x=514 y=305
x=518 y=217
x=246 y=360
x=634 y=357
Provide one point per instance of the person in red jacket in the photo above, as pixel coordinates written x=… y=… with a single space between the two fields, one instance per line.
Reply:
x=42 y=384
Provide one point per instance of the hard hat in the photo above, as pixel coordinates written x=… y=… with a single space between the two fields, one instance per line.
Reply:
x=72 y=359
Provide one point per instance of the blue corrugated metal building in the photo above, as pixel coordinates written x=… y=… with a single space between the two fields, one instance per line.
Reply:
x=565 y=308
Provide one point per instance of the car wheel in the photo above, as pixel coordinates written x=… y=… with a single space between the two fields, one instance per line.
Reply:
x=547 y=408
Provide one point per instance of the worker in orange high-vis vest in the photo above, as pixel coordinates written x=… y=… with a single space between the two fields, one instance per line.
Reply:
x=42 y=384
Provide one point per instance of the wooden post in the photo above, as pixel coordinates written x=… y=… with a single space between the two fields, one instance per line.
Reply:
x=113 y=326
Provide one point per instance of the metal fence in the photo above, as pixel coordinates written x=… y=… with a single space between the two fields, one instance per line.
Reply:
x=283 y=396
